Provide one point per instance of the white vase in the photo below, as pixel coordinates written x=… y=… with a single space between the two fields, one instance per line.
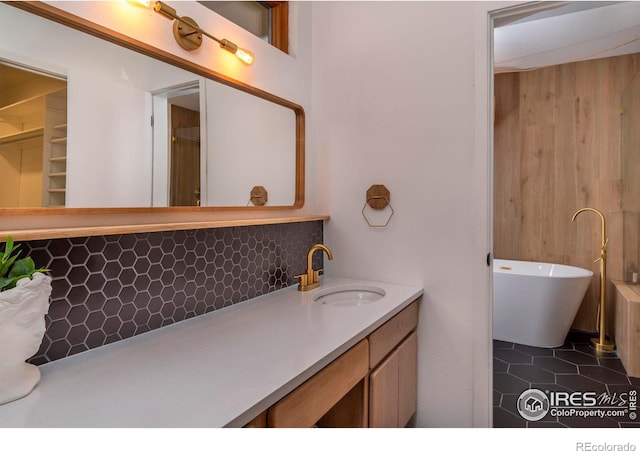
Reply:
x=22 y=327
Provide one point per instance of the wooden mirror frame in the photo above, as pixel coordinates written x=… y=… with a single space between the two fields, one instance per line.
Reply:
x=78 y=23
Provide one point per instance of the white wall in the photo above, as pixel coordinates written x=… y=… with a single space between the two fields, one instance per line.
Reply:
x=400 y=95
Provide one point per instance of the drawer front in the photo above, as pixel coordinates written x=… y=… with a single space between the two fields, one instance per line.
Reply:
x=315 y=397
x=390 y=334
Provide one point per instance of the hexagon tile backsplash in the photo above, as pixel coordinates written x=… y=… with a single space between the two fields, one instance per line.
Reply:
x=108 y=288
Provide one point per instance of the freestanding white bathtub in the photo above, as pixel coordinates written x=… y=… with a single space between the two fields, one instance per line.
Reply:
x=535 y=304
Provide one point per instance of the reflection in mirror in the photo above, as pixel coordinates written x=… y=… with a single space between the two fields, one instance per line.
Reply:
x=33 y=120
x=241 y=140
x=177 y=147
x=228 y=137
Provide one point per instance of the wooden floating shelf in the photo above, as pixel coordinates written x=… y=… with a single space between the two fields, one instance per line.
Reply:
x=57 y=159
x=60 y=127
x=24 y=107
x=56 y=190
x=72 y=232
x=21 y=136
x=57 y=174
x=59 y=140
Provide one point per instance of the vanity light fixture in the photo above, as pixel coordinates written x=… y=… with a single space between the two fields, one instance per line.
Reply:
x=189 y=35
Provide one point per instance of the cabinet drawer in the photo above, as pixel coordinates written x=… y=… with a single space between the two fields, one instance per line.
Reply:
x=315 y=397
x=390 y=334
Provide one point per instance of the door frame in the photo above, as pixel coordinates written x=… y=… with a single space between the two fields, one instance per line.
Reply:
x=486 y=17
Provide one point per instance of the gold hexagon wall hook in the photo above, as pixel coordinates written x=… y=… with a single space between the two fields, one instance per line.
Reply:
x=378 y=198
x=259 y=196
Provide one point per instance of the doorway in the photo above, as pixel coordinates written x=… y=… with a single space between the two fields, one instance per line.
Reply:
x=558 y=157
x=184 y=182
x=179 y=156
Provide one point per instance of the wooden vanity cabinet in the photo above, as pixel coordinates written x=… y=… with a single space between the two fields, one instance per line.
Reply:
x=393 y=387
x=335 y=385
x=373 y=384
x=393 y=378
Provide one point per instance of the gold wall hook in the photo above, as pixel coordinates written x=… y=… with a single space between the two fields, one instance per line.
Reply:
x=378 y=198
x=258 y=196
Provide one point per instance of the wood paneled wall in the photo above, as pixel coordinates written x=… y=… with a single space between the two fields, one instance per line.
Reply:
x=557 y=149
x=630 y=154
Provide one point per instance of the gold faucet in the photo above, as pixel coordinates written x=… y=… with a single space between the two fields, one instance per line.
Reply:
x=601 y=343
x=311 y=279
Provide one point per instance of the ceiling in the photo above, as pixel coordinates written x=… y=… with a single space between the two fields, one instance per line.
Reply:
x=567 y=32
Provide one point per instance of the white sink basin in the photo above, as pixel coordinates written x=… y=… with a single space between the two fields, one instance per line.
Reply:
x=349 y=295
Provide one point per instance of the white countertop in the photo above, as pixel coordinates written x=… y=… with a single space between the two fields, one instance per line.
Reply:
x=218 y=369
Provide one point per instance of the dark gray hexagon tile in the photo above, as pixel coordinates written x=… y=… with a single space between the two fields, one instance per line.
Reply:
x=499 y=366
x=96 y=244
x=612 y=363
x=509 y=402
x=95 y=282
x=78 y=254
x=58 y=310
x=111 y=307
x=577 y=382
x=508 y=384
x=161 y=277
x=555 y=365
x=77 y=315
x=578 y=358
x=497 y=398
x=531 y=373
x=111 y=288
x=603 y=375
x=77 y=335
x=111 y=325
x=497 y=344
x=533 y=351
x=505 y=419
x=95 y=320
x=57 y=330
x=512 y=356
x=127 y=258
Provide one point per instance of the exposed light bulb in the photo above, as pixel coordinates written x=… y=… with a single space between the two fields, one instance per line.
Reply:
x=245 y=56
x=142 y=3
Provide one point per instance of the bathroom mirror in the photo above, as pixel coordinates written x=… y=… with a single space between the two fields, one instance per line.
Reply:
x=119 y=142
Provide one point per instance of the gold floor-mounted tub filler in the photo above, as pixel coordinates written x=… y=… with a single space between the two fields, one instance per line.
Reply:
x=601 y=343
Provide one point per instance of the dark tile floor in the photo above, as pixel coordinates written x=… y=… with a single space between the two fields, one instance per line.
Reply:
x=573 y=367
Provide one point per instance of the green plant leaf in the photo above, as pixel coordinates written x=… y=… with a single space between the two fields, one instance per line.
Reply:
x=6 y=266
x=12 y=269
x=22 y=267
x=8 y=250
x=5 y=282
